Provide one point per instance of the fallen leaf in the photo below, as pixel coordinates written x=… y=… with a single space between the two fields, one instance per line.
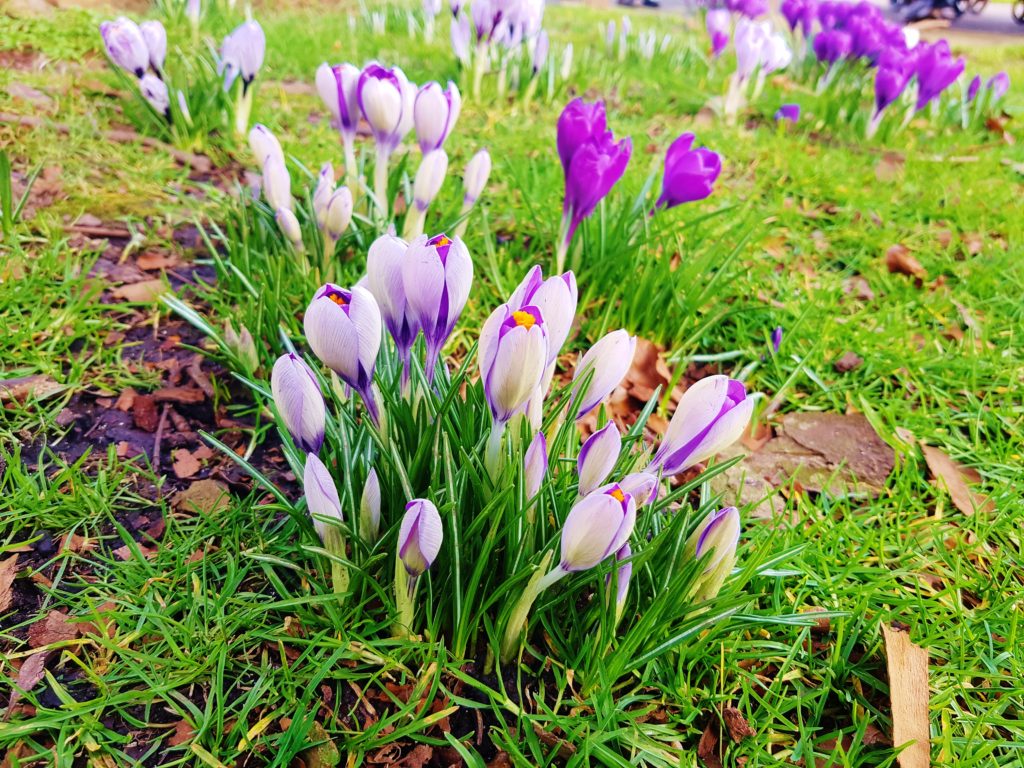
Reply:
x=37 y=387
x=144 y=413
x=901 y=261
x=142 y=292
x=55 y=628
x=737 y=725
x=183 y=733
x=8 y=570
x=889 y=166
x=184 y=395
x=420 y=755
x=151 y=261
x=33 y=669
x=126 y=399
x=185 y=463
x=858 y=287
x=707 y=747
x=848 y=362
x=954 y=476
x=203 y=496
x=907 y=665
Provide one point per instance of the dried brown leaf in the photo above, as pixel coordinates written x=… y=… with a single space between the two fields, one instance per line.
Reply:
x=37 y=387
x=204 y=496
x=954 y=477
x=33 y=669
x=142 y=292
x=8 y=570
x=848 y=362
x=899 y=260
x=185 y=463
x=55 y=628
x=737 y=725
x=184 y=395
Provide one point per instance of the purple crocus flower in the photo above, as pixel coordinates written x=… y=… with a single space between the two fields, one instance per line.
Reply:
x=155 y=35
x=999 y=84
x=597 y=526
x=974 y=87
x=385 y=98
x=710 y=417
x=299 y=402
x=597 y=457
x=792 y=11
x=718 y=22
x=556 y=298
x=241 y=54
x=435 y=111
x=832 y=45
x=419 y=537
x=690 y=174
x=126 y=45
x=622 y=576
x=594 y=170
x=936 y=71
x=384 y=263
x=513 y=352
x=889 y=84
x=437 y=274
x=776 y=339
x=790 y=112
x=578 y=125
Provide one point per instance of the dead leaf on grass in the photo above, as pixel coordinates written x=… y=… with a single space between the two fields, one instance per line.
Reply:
x=707 y=747
x=737 y=725
x=203 y=496
x=899 y=260
x=8 y=570
x=185 y=464
x=142 y=292
x=32 y=670
x=889 y=166
x=907 y=665
x=183 y=733
x=38 y=387
x=182 y=395
x=954 y=477
x=153 y=261
x=848 y=362
x=55 y=628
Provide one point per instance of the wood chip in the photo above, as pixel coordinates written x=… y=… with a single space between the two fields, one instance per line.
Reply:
x=953 y=477
x=184 y=395
x=737 y=725
x=8 y=570
x=907 y=664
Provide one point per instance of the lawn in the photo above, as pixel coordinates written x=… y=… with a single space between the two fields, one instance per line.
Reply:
x=166 y=597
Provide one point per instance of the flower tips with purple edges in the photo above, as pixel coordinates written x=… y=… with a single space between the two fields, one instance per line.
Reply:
x=600 y=370
x=596 y=527
x=299 y=402
x=690 y=174
x=788 y=112
x=419 y=536
x=597 y=457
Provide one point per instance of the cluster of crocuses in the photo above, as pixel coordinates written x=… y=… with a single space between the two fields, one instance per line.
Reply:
x=617 y=43
x=141 y=50
x=421 y=288
x=491 y=33
x=593 y=162
x=843 y=33
x=393 y=106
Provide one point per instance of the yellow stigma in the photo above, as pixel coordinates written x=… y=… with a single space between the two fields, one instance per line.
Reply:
x=618 y=495
x=524 y=319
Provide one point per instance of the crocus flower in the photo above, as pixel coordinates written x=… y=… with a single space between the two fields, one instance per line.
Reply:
x=437 y=274
x=831 y=45
x=419 y=536
x=337 y=88
x=343 y=330
x=889 y=84
x=792 y=10
x=263 y=143
x=718 y=21
x=790 y=112
x=535 y=465
x=321 y=495
x=776 y=339
x=566 y=68
x=154 y=90
x=338 y=214
x=460 y=36
x=622 y=576
x=974 y=87
x=999 y=85
x=155 y=35
x=600 y=370
x=277 y=184
x=776 y=54
x=715 y=538
x=369 y=508
x=289 y=226
x=690 y=174
x=383 y=95
x=241 y=54
x=478 y=169
x=597 y=457
x=642 y=486
x=192 y=11
x=556 y=298
x=710 y=417
x=299 y=402
x=322 y=193
x=596 y=527
x=578 y=125
x=513 y=350
x=429 y=178
x=125 y=45
x=435 y=112
x=936 y=71
x=384 y=279
x=540 y=52
x=595 y=168
x=751 y=39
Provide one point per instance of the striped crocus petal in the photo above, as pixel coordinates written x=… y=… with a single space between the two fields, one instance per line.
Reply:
x=419 y=536
x=299 y=402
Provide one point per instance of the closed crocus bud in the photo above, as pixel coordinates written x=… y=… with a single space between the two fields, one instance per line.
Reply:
x=890 y=82
x=338 y=215
x=540 y=51
x=777 y=54
x=241 y=54
x=999 y=84
x=513 y=355
x=556 y=298
x=597 y=457
x=289 y=225
x=715 y=538
x=595 y=168
x=380 y=93
x=475 y=178
x=321 y=495
x=343 y=329
x=327 y=89
x=598 y=526
x=642 y=486
x=155 y=35
x=429 y=178
x=154 y=90
x=936 y=71
x=384 y=280
x=299 y=402
x=776 y=339
x=578 y=125
x=535 y=465
x=419 y=536
x=263 y=144
x=751 y=39
x=622 y=576
x=710 y=417
x=600 y=370
x=435 y=112
x=243 y=346
x=183 y=106
x=690 y=174
x=322 y=193
x=461 y=34
x=437 y=274
x=566 y=69
x=974 y=87
x=277 y=184
x=718 y=21
x=369 y=509
x=125 y=45
x=831 y=45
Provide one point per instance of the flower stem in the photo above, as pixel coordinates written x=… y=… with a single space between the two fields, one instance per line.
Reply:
x=334 y=542
x=380 y=181
x=414 y=221
x=564 y=240
x=492 y=457
x=541 y=580
x=351 y=169
x=243 y=108
x=405 y=590
x=479 y=68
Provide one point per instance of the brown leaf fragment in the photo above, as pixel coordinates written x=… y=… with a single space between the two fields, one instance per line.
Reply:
x=185 y=395
x=126 y=399
x=203 y=496
x=737 y=725
x=55 y=628
x=144 y=413
x=33 y=669
x=889 y=166
x=954 y=477
x=151 y=261
x=501 y=760
x=185 y=463
x=899 y=260
x=183 y=734
x=8 y=570
x=907 y=665
x=142 y=292
x=420 y=755
x=24 y=388
x=848 y=362
x=707 y=747
x=873 y=737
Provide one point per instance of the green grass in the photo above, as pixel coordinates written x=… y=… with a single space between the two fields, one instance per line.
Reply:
x=243 y=637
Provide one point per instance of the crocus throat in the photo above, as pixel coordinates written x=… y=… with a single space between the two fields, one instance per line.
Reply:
x=524 y=320
x=338 y=297
x=617 y=494
x=442 y=244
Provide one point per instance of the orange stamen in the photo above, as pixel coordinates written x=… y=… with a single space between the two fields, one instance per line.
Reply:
x=524 y=319
x=618 y=495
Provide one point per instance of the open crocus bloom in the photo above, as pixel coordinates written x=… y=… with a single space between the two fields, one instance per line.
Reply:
x=513 y=355
x=690 y=174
